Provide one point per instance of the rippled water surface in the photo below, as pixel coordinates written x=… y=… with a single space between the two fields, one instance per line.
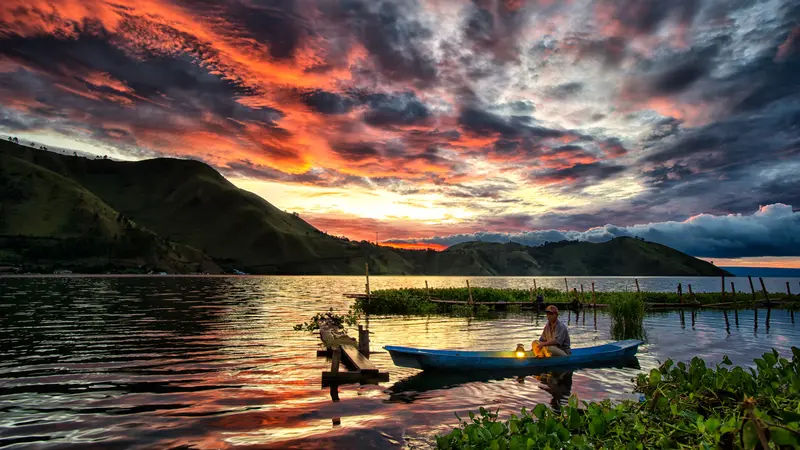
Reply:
x=212 y=362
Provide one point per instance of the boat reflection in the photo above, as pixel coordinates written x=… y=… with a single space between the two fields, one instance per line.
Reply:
x=558 y=383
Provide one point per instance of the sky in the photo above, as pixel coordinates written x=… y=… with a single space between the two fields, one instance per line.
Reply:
x=432 y=122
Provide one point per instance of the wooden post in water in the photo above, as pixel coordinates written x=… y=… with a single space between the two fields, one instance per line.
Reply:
x=787 y=284
x=566 y=286
x=727 y=323
x=427 y=291
x=363 y=341
x=366 y=270
x=736 y=316
x=691 y=294
x=637 y=285
x=723 y=289
x=755 y=319
x=336 y=358
x=469 y=290
x=769 y=312
x=680 y=293
x=764 y=288
x=530 y=293
x=683 y=319
x=752 y=289
x=788 y=291
x=594 y=298
x=534 y=286
x=733 y=291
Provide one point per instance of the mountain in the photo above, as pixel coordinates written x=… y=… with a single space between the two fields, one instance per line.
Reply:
x=54 y=221
x=183 y=216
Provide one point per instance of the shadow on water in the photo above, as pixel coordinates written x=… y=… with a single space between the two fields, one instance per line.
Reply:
x=557 y=382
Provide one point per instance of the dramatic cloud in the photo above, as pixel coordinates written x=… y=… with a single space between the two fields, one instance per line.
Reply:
x=773 y=230
x=423 y=116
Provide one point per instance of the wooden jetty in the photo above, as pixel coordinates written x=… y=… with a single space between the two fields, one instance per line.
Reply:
x=345 y=349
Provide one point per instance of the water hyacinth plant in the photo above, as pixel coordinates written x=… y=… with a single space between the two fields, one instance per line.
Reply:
x=683 y=406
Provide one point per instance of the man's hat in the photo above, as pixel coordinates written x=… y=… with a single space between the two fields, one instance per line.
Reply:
x=552 y=309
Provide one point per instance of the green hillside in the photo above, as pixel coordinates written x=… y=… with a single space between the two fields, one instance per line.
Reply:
x=620 y=256
x=50 y=222
x=64 y=198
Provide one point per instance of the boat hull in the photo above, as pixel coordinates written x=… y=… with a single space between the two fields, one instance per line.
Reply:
x=453 y=360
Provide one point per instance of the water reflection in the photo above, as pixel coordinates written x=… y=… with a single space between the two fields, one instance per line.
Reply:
x=196 y=362
x=557 y=383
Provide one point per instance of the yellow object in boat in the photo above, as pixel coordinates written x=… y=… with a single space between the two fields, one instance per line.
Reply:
x=520 y=351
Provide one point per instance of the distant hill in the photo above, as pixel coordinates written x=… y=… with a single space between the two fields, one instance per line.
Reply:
x=763 y=272
x=183 y=216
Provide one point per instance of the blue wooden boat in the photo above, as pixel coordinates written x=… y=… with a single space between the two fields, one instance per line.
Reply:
x=418 y=358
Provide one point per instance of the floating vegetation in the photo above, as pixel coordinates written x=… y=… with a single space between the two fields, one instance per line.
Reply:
x=682 y=405
x=415 y=301
x=351 y=318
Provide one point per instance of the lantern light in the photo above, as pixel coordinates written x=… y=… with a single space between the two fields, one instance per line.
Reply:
x=520 y=351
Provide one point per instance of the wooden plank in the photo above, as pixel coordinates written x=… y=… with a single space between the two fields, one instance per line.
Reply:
x=358 y=360
x=752 y=289
x=330 y=379
x=332 y=335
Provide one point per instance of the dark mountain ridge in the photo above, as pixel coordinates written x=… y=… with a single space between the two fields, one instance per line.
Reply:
x=183 y=216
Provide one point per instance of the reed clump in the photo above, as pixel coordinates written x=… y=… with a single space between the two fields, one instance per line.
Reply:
x=627 y=316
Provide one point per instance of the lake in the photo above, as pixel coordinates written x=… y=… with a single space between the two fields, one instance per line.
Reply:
x=212 y=362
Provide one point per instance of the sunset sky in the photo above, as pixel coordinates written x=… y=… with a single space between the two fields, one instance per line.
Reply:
x=434 y=122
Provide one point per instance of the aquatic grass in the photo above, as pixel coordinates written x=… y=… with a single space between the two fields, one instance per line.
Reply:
x=414 y=301
x=627 y=314
x=682 y=406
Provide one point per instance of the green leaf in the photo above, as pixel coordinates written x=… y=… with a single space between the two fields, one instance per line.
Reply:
x=573 y=401
x=790 y=416
x=655 y=377
x=781 y=436
x=539 y=410
x=597 y=426
x=750 y=435
x=494 y=445
x=770 y=359
x=496 y=429
x=726 y=360
x=486 y=435
x=712 y=424
x=530 y=444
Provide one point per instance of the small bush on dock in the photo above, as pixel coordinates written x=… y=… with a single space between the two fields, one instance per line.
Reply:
x=340 y=320
x=683 y=406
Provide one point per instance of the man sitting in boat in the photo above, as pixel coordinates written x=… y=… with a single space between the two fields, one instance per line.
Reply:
x=555 y=336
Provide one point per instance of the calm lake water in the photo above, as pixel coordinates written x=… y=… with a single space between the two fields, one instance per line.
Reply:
x=212 y=362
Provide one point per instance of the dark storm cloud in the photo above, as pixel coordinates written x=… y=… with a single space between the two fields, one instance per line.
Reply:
x=395 y=109
x=357 y=151
x=175 y=80
x=392 y=34
x=328 y=102
x=566 y=90
x=485 y=123
x=610 y=51
x=647 y=16
x=579 y=175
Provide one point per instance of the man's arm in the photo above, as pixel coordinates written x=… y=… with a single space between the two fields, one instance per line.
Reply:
x=544 y=342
